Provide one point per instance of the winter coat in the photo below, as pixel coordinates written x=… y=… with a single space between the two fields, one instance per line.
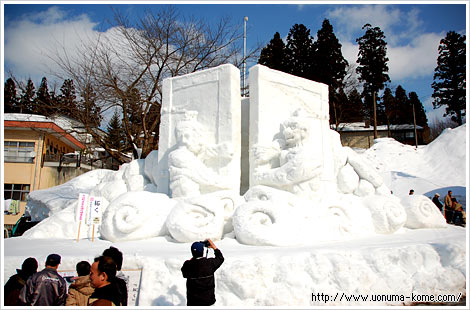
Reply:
x=437 y=202
x=13 y=288
x=122 y=286
x=108 y=295
x=448 y=202
x=44 y=288
x=200 y=283
x=79 y=292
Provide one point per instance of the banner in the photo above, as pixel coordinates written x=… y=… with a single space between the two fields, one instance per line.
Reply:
x=81 y=210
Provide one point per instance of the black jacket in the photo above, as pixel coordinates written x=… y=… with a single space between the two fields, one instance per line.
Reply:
x=200 y=283
x=108 y=295
x=44 y=288
x=13 y=288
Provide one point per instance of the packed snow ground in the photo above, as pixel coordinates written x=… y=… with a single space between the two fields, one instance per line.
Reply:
x=383 y=268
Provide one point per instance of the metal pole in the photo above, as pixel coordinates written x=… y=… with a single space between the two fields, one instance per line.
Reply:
x=245 y=19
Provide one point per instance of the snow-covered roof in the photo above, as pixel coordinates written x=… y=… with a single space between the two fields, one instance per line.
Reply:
x=361 y=126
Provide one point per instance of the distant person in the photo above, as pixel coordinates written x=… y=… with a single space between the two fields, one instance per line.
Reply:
x=448 y=211
x=80 y=290
x=17 y=281
x=411 y=192
x=47 y=287
x=459 y=213
x=437 y=202
x=102 y=276
x=121 y=279
x=199 y=274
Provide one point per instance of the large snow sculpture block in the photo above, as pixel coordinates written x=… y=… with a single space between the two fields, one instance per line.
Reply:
x=200 y=136
x=289 y=124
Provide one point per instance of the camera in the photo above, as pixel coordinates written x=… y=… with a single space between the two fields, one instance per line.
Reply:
x=206 y=243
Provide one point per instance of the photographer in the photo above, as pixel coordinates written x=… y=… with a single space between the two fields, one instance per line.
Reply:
x=199 y=272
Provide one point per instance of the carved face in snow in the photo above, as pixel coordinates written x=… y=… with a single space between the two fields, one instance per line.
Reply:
x=189 y=134
x=294 y=132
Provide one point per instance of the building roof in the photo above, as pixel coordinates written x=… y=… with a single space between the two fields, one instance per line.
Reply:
x=361 y=126
x=61 y=127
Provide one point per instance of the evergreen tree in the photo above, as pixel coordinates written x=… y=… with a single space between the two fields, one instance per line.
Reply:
x=67 y=99
x=89 y=111
x=372 y=69
x=299 y=51
x=9 y=95
x=389 y=107
x=114 y=137
x=404 y=111
x=420 y=113
x=329 y=67
x=43 y=104
x=450 y=76
x=274 y=54
x=28 y=98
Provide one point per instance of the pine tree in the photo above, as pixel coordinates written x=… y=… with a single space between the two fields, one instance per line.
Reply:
x=372 y=69
x=450 y=76
x=389 y=108
x=274 y=54
x=421 y=119
x=89 y=111
x=329 y=67
x=299 y=51
x=67 y=99
x=9 y=95
x=27 y=98
x=43 y=104
x=114 y=137
x=404 y=111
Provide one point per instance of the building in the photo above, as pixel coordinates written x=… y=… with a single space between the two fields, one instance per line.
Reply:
x=36 y=156
x=360 y=135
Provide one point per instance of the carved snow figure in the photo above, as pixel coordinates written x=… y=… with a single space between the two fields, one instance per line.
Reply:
x=288 y=164
x=193 y=165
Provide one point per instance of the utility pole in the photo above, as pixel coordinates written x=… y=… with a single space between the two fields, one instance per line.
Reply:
x=245 y=19
x=375 y=115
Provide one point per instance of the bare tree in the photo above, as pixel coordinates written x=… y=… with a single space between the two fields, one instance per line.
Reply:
x=125 y=67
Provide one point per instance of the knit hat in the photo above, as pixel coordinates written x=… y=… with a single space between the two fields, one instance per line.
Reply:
x=53 y=260
x=197 y=249
x=437 y=194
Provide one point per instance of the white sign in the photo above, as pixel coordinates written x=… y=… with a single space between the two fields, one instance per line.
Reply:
x=95 y=210
x=81 y=210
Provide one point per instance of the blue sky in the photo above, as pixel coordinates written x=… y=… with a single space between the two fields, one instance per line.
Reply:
x=412 y=31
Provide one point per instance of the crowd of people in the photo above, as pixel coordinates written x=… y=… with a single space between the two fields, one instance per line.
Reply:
x=102 y=283
x=453 y=210
x=98 y=284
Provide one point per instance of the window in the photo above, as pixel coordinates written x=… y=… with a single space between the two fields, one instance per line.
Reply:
x=20 y=152
x=16 y=191
x=409 y=134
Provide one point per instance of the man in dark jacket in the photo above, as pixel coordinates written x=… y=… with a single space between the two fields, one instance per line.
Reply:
x=102 y=276
x=436 y=201
x=47 y=287
x=16 y=282
x=121 y=279
x=199 y=272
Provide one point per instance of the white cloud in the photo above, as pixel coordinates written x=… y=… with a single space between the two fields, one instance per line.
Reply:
x=30 y=41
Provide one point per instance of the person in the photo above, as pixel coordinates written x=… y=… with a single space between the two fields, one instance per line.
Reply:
x=17 y=281
x=199 y=274
x=81 y=289
x=459 y=213
x=47 y=287
x=436 y=201
x=412 y=191
x=102 y=276
x=121 y=279
x=448 y=212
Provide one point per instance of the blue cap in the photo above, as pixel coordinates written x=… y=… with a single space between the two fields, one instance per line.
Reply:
x=197 y=249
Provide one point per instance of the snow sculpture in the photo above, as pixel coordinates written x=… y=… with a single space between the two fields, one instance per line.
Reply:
x=388 y=215
x=194 y=165
x=215 y=95
x=422 y=212
x=202 y=217
x=288 y=164
x=136 y=215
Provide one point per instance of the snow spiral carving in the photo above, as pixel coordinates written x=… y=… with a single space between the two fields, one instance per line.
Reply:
x=200 y=218
x=124 y=219
x=388 y=215
x=422 y=213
